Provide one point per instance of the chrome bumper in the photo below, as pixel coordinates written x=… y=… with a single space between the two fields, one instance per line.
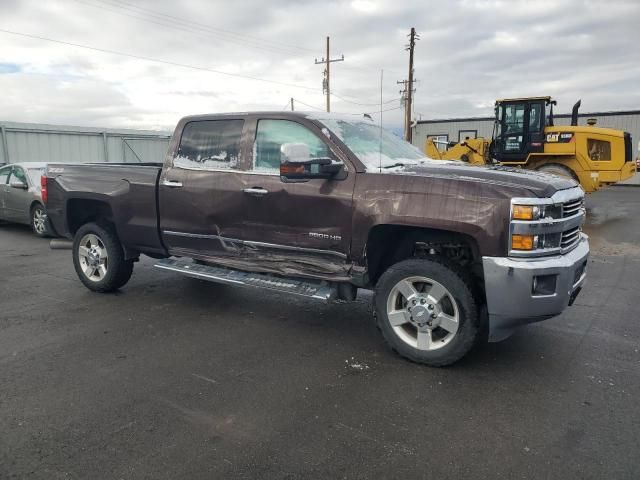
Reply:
x=509 y=286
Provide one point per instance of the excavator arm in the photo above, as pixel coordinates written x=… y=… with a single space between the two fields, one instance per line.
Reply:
x=474 y=151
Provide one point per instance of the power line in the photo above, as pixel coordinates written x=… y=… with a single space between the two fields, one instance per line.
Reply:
x=184 y=26
x=204 y=30
x=382 y=111
x=157 y=60
x=365 y=104
x=310 y=106
x=191 y=23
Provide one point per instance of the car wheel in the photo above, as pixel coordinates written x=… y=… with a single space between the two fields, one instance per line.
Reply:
x=426 y=311
x=98 y=258
x=39 y=222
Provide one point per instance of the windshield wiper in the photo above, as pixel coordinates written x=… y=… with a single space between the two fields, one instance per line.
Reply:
x=395 y=165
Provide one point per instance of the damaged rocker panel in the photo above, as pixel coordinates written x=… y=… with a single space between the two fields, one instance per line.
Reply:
x=251 y=243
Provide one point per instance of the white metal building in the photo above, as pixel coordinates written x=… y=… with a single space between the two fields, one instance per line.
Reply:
x=29 y=142
x=457 y=129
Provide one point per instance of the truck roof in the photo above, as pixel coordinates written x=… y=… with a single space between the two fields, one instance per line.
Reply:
x=280 y=113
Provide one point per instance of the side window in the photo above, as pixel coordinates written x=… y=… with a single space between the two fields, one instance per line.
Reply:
x=514 y=118
x=18 y=173
x=4 y=175
x=272 y=134
x=441 y=141
x=535 y=118
x=599 y=150
x=210 y=144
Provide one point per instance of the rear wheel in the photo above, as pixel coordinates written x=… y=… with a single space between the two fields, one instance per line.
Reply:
x=39 y=220
x=426 y=311
x=559 y=170
x=98 y=258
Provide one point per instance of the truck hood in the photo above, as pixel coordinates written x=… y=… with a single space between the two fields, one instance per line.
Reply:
x=540 y=184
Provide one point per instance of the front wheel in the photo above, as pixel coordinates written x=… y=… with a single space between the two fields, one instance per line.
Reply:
x=426 y=311
x=99 y=260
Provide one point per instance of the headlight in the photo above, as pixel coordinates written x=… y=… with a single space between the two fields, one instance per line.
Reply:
x=535 y=212
x=524 y=212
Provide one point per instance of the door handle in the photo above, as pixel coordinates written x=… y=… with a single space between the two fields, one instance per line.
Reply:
x=256 y=191
x=171 y=184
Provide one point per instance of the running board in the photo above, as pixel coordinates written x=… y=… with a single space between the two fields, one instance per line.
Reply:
x=306 y=288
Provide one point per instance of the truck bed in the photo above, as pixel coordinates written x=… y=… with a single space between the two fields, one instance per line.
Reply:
x=128 y=191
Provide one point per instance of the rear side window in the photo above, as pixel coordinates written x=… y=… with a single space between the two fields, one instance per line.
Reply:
x=210 y=144
x=35 y=174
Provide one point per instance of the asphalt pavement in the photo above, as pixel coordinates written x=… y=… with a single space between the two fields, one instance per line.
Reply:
x=177 y=378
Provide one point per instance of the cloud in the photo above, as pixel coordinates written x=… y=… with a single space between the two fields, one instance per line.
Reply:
x=470 y=53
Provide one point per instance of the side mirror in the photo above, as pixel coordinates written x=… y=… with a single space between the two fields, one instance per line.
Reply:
x=18 y=184
x=296 y=164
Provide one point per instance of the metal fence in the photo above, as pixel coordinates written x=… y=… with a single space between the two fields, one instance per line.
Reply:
x=28 y=142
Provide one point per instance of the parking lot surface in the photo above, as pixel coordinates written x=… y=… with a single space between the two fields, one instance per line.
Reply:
x=177 y=378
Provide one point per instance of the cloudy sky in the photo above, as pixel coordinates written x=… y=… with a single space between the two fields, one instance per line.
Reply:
x=198 y=56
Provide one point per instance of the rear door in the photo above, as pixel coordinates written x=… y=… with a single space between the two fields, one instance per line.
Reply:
x=200 y=191
x=18 y=200
x=4 y=187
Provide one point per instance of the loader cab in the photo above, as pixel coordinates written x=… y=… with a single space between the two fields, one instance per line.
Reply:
x=519 y=127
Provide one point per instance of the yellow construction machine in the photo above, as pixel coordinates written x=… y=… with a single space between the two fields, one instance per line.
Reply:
x=524 y=135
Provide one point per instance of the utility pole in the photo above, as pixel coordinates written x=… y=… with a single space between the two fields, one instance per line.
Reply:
x=403 y=102
x=292 y=104
x=326 y=84
x=409 y=90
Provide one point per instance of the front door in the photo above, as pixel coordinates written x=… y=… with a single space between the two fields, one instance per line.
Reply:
x=511 y=135
x=18 y=200
x=301 y=227
x=201 y=197
x=4 y=188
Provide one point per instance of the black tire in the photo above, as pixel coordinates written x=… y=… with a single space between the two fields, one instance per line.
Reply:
x=459 y=286
x=39 y=225
x=559 y=170
x=117 y=270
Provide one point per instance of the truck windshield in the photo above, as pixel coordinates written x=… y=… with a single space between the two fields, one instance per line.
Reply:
x=374 y=147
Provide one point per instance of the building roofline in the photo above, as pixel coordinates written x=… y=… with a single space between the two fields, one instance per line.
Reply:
x=555 y=115
x=71 y=129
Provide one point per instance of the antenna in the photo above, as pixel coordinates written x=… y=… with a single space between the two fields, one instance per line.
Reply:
x=380 y=143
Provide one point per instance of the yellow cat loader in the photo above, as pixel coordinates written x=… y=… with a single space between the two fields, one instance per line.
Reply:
x=524 y=135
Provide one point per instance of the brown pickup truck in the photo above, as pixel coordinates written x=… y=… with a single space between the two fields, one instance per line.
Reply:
x=321 y=205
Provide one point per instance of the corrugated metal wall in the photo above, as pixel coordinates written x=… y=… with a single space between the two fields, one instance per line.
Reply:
x=452 y=128
x=25 y=142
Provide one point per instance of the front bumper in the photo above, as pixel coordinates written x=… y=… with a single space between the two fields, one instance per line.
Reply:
x=509 y=286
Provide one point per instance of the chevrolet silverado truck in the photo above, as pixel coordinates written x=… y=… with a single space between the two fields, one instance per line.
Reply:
x=320 y=206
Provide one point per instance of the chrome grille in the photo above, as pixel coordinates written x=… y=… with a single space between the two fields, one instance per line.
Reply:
x=570 y=238
x=572 y=207
x=557 y=227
